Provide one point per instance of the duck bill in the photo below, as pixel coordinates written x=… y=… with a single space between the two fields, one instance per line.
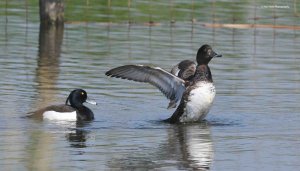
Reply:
x=214 y=54
x=92 y=102
x=218 y=55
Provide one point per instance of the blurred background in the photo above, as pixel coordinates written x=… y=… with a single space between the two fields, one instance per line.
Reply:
x=254 y=122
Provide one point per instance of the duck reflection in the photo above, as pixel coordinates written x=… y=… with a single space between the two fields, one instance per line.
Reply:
x=194 y=144
x=78 y=136
x=188 y=147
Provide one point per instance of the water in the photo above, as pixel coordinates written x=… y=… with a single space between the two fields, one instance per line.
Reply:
x=254 y=122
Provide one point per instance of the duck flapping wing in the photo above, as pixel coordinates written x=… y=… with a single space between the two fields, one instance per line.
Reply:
x=170 y=85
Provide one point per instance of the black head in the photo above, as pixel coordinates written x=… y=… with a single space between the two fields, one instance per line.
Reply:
x=77 y=97
x=205 y=54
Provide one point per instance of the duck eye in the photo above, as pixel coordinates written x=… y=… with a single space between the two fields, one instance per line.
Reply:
x=82 y=93
x=209 y=51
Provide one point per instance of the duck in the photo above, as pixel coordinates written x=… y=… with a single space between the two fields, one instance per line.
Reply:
x=189 y=84
x=72 y=110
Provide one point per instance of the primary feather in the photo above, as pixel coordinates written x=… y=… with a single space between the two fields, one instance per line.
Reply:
x=171 y=86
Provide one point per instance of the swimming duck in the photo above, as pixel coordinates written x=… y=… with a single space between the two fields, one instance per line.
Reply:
x=70 y=112
x=188 y=83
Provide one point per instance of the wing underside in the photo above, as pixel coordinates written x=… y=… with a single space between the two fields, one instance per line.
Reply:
x=171 y=86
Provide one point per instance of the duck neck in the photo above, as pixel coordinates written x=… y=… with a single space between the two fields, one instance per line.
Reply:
x=77 y=105
x=203 y=73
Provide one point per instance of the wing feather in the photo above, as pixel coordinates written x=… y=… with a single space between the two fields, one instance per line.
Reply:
x=171 y=86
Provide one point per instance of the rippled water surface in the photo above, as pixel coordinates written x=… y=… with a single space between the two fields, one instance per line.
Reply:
x=254 y=122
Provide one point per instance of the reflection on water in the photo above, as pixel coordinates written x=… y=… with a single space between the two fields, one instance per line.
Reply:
x=40 y=152
x=77 y=138
x=47 y=72
x=41 y=143
x=253 y=125
x=193 y=145
x=78 y=135
x=186 y=146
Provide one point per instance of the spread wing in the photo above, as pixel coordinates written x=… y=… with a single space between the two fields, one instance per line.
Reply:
x=171 y=86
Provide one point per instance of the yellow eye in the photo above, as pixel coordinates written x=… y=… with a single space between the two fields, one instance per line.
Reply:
x=82 y=93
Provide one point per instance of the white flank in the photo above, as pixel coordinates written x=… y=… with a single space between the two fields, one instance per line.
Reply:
x=200 y=101
x=63 y=116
